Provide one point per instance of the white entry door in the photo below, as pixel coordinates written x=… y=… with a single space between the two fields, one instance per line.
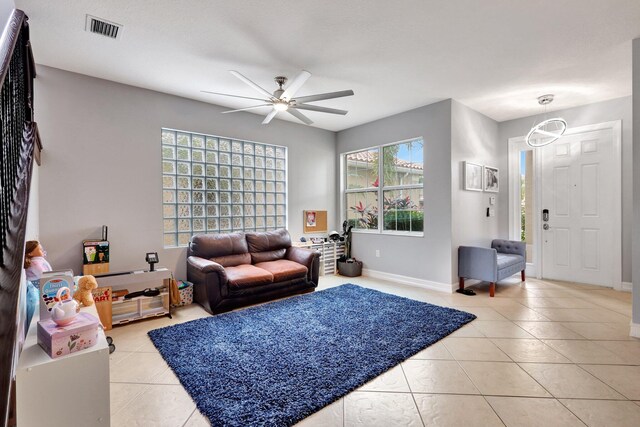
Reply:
x=578 y=184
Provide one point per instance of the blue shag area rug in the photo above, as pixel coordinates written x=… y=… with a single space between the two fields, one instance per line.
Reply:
x=277 y=363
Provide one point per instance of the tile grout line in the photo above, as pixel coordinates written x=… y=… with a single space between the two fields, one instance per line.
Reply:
x=411 y=392
x=189 y=417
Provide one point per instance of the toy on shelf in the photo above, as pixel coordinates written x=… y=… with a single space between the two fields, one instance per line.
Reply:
x=86 y=284
x=50 y=283
x=103 y=297
x=80 y=333
x=35 y=262
x=64 y=311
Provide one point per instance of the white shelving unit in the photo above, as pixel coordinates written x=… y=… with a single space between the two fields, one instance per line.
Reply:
x=125 y=311
x=329 y=254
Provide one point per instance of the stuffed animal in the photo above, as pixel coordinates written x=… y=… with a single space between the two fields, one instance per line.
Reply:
x=85 y=285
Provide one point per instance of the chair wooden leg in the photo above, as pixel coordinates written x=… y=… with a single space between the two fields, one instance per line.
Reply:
x=492 y=289
x=522 y=275
x=461 y=283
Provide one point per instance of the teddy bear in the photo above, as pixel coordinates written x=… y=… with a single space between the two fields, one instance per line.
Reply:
x=85 y=285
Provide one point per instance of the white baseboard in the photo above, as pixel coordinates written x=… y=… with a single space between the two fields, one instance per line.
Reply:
x=635 y=330
x=626 y=286
x=406 y=280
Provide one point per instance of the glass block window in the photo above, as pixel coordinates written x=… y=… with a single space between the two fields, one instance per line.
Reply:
x=214 y=184
x=393 y=186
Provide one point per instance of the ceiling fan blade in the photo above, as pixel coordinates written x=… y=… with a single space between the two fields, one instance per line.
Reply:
x=321 y=96
x=296 y=84
x=248 y=108
x=270 y=116
x=235 y=96
x=298 y=115
x=250 y=83
x=320 y=109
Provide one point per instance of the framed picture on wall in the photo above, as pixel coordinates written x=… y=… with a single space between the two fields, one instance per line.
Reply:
x=472 y=176
x=491 y=179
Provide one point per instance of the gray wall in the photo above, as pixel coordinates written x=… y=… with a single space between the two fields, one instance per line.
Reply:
x=474 y=138
x=101 y=165
x=428 y=257
x=636 y=183
x=6 y=7
x=615 y=109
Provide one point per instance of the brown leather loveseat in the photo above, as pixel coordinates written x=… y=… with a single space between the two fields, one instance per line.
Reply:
x=237 y=269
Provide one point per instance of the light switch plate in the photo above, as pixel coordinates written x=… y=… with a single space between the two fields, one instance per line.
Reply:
x=492 y=212
x=492 y=200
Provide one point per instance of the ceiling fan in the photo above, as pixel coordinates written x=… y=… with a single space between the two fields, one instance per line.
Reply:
x=285 y=100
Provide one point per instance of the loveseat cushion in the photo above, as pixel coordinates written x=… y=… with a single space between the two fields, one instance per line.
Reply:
x=247 y=276
x=258 y=257
x=505 y=260
x=210 y=246
x=268 y=246
x=233 y=260
x=283 y=269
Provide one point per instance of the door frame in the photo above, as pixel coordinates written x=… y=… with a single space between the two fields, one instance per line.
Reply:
x=515 y=145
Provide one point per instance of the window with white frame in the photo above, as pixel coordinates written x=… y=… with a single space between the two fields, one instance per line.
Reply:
x=393 y=186
x=215 y=184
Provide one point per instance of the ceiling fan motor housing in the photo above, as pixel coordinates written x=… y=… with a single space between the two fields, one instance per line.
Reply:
x=280 y=80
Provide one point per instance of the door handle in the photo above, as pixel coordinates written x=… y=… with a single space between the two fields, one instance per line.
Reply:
x=545 y=226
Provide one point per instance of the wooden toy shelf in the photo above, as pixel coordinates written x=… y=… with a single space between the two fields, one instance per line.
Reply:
x=128 y=310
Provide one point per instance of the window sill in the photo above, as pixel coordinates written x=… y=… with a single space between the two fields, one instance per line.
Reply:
x=389 y=233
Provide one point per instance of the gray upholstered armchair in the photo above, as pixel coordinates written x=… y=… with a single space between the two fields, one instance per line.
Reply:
x=504 y=259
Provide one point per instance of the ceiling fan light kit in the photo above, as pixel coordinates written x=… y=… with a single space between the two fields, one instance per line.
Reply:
x=548 y=130
x=281 y=106
x=284 y=99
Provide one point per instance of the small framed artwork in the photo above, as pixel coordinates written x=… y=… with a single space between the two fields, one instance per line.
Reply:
x=472 y=176
x=491 y=179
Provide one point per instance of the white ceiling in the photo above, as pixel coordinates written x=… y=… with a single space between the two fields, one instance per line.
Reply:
x=496 y=56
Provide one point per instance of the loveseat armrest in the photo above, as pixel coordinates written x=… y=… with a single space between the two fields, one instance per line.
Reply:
x=478 y=263
x=204 y=265
x=510 y=247
x=310 y=258
x=209 y=281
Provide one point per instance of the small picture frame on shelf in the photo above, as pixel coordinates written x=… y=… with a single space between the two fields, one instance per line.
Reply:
x=491 y=179
x=472 y=176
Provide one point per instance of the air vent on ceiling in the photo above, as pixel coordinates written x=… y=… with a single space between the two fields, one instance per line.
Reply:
x=103 y=27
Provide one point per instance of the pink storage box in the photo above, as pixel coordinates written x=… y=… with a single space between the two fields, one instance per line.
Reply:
x=62 y=340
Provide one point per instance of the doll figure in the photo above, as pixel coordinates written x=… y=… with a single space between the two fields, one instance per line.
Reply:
x=35 y=264
x=34 y=260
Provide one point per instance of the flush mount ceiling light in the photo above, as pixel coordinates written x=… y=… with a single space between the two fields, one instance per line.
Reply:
x=548 y=130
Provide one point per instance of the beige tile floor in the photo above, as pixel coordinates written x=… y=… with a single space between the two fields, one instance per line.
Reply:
x=540 y=353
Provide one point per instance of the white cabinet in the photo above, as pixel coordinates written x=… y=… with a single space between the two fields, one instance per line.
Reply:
x=329 y=254
x=68 y=390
